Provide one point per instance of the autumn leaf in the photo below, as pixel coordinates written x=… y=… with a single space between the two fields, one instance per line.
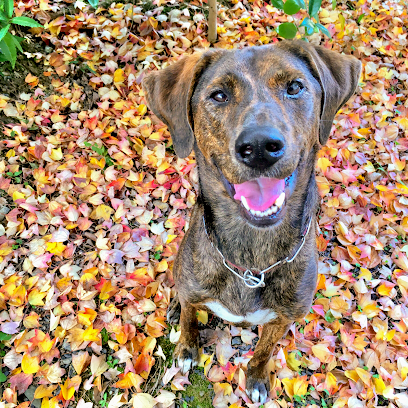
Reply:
x=30 y=365
x=45 y=391
x=129 y=380
x=67 y=390
x=91 y=334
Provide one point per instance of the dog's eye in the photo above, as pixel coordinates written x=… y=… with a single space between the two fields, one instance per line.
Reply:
x=294 y=88
x=219 y=96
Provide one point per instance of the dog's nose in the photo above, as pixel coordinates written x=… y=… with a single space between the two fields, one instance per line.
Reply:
x=260 y=147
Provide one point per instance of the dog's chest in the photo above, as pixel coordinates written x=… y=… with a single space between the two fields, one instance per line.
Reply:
x=261 y=316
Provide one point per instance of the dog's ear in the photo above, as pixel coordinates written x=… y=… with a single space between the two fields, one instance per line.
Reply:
x=338 y=75
x=168 y=93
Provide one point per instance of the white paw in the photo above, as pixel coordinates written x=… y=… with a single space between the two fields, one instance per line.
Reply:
x=186 y=364
x=258 y=393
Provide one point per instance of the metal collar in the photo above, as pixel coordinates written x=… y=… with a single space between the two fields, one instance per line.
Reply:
x=250 y=279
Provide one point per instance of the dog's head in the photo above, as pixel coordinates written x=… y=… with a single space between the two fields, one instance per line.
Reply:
x=256 y=115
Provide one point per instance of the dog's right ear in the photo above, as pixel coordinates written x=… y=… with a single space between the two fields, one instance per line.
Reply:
x=168 y=93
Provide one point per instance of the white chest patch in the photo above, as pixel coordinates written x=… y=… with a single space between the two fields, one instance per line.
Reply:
x=259 y=317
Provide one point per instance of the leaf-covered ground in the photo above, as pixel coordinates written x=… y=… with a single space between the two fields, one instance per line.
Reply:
x=93 y=206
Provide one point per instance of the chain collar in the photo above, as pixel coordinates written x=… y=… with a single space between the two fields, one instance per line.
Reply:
x=249 y=277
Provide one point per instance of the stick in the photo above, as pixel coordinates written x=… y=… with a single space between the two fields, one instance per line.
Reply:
x=212 y=21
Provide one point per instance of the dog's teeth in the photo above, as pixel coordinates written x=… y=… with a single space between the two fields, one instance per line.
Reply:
x=252 y=212
x=258 y=213
x=245 y=203
x=274 y=209
x=280 y=200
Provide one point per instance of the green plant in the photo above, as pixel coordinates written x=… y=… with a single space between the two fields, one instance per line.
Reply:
x=104 y=401
x=102 y=151
x=9 y=43
x=15 y=176
x=3 y=337
x=310 y=23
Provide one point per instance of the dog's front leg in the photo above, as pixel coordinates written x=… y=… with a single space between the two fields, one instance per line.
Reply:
x=257 y=383
x=186 y=352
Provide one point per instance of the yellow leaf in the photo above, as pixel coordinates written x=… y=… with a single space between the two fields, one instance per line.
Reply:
x=103 y=211
x=56 y=248
x=40 y=176
x=404 y=373
x=288 y=384
x=30 y=365
x=202 y=316
x=46 y=345
x=66 y=391
x=170 y=238
x=364 y=375
x=91 y=334
x=292 y=362
x=379 y=385
x=300 y=386
x=390 y=335
x=365 y=274
x=43 y=391
x=142 y=109
x=352 y=374
x=35 y=297
x=225 y=387
x=322 y=352
x=56 y=154
x=18 y=296
x=331 y=383
x=323 y=164
x=18 y=196
x=100 y=163
x=50 y=403
x=118 y=76
x=10 y=153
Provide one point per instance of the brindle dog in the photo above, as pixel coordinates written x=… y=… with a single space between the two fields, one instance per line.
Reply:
x=255 y=118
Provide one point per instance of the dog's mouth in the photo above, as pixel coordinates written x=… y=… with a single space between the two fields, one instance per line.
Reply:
x=263 y=199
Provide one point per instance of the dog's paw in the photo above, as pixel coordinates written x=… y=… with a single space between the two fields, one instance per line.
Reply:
x=174 y=311
x=257 y=388
x=186 y=357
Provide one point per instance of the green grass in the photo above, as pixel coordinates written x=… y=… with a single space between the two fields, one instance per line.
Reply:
x=197 y=395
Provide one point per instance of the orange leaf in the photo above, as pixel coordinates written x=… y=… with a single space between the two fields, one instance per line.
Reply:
x=87 y=317
x=129 y=380
x=46 y=345
x=80 y=361
x=106 y=289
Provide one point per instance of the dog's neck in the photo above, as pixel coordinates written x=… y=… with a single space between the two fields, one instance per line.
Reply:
x=259 y=247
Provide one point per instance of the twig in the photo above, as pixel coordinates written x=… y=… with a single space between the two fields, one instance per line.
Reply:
x=212 y=21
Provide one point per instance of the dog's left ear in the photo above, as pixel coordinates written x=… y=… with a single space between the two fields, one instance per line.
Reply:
x=168 y=93
x=338 y=75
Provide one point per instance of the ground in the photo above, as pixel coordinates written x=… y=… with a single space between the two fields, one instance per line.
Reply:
x=94 y=205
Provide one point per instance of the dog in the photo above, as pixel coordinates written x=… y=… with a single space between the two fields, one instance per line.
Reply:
x=256 y=118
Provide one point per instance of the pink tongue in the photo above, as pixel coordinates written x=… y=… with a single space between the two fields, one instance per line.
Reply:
x=260 y=193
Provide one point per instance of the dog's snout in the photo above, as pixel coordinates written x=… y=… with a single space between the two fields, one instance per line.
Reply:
x=260 y=148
